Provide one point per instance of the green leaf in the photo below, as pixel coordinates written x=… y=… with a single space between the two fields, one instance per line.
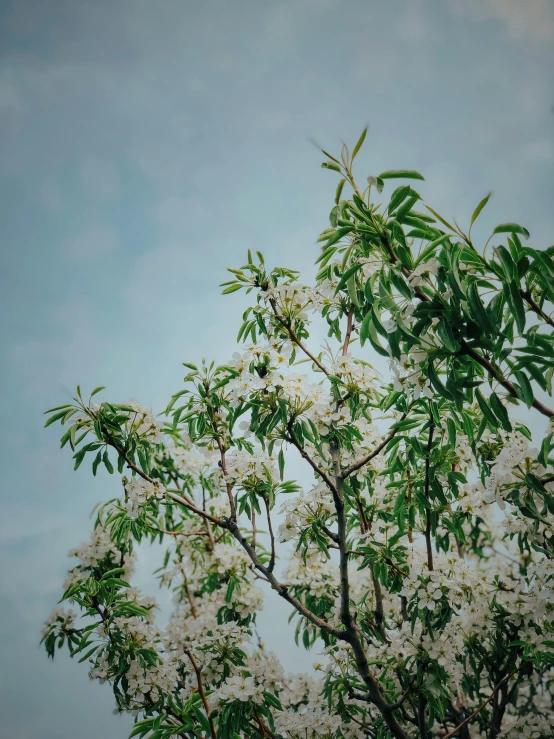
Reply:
x=485 y=410
x=447 y=337
x=97 y=390
x=511 y=228
x=338 y=193
x=364 y=329
x=108 y=465
x=441 y=219
x=347 y=275
x=436 y=382
x=360 y=143
x=479 y=208
x=408 y=174
x=451 y=431
x=400 y=194
x=231 y=289
x=374 y=339
x=352 y=292
x=526 y=391
x=281 y=459
x=508 y=265
x=88 y=654
x=500 y=412
x=96 y=462
x=515 y=301
x=478 y=312
x=337 y=235
x=55 y=417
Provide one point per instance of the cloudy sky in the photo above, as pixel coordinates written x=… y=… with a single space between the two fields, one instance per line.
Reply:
x=144 y=146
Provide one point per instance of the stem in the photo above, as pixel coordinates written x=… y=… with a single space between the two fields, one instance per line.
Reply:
x=482 y=706
x=348 y=335
x=202 y=692
x=271 y=564
x=295 y=338
x=526 y=295
x=280 y=587
x=228 y=485
x=356 y=466
x=428 y=510
x=324 y=476
x=253 y=520
x=352 y=635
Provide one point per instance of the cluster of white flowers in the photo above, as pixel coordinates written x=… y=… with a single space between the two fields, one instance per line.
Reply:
x=247 y=469
x=61 y=619
x=192 y=460
x=408 y=372
x=528 y=727
x=142 y=423
x=356 y=374
x=423 y=270
x=451 y=578
x=293 y=299
x=317 y=575
x=93 y=551
x=139 y=492
x=239 y=688
x=150 y=681
x=300 y=511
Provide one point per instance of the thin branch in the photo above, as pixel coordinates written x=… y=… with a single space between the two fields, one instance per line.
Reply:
x=282 y=589
x=177 y=533
x=349 y=326
x=202 y=692
x=253 y=521
x=271 y=564
x=482 y=706
x=295 y=338
x=428 y=540
x=228 y=485
x=352 y=635
x=324 y=476
x=356 y=466
x=231 y=526
x=526 y=295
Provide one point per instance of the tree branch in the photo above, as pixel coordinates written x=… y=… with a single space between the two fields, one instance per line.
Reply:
x=428 y=542
x=324 y=476
x=356 y=466
x=482 y=706
x=295 y=338
x=202 y=692
x=271 y=564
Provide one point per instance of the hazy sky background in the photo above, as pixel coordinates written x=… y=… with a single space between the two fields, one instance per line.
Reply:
x=144 y=146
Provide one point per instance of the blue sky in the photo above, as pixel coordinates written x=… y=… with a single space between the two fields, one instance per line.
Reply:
x=144 y=147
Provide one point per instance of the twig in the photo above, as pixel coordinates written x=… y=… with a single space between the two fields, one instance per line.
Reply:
x=356 y=466
x=202 y=692
x=482 y=706
x=271 y=564
x=428 y=510
x=296 y=340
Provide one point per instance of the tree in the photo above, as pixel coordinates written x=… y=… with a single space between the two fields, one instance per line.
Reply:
x=422 y=559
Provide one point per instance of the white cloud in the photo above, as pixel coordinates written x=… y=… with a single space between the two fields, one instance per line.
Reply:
x=93 y=242
x=523 y=18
